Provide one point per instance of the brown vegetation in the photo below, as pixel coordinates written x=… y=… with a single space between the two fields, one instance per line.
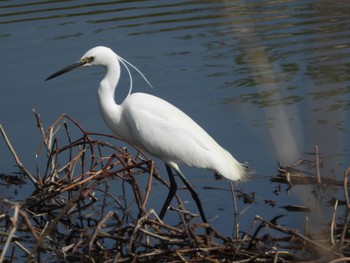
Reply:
x=68 y=217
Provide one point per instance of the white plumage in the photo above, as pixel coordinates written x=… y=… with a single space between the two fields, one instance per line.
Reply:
x=156 y=126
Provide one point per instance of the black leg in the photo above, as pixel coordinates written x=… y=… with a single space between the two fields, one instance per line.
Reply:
x=194 y=196
x=172 y=191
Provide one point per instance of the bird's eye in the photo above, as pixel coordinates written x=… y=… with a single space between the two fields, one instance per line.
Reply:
x=90 y=59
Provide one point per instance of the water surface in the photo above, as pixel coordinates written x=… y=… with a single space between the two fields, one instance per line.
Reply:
x=267 y=79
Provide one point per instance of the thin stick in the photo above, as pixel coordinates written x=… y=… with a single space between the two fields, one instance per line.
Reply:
x=136 y=229
x=346 y=174
x=26 y=250
x=346 y=221
x=15 y=156
x=344 y=259
x=333 y=221
x=99 y=227
x=317 y=166
x=235 y=224
x=306 y=230
x=245 y=237
x=28 y=223
x=148 y=186
x=166 y=239
x=14 y=220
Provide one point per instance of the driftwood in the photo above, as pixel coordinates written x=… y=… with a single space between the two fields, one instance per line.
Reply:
x=68 y=217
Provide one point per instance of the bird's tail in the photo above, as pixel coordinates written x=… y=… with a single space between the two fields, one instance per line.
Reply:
x=230 y=168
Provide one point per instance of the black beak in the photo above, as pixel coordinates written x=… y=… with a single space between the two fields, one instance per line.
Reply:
x=66 y=69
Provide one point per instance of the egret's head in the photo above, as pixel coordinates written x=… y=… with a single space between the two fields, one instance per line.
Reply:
x=97 y=56
x=94 y=57
x=100 y=56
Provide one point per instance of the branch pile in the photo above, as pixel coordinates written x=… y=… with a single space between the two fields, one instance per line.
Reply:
x=89 y=205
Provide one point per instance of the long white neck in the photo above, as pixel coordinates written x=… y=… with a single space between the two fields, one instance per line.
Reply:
x=111 y=112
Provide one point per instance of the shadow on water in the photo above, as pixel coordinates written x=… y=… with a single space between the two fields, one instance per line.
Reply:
x=268 y=80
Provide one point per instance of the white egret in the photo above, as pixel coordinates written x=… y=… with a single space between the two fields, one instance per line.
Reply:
x=157 y=127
